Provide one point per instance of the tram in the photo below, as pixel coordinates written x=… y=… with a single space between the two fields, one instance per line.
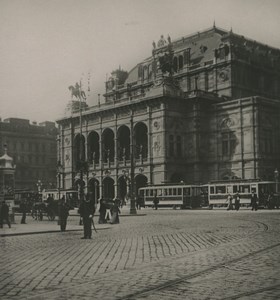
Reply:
x=173 y=195
x=218 y=191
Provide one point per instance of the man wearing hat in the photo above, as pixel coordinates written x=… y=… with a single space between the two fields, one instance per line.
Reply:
x=87 y=210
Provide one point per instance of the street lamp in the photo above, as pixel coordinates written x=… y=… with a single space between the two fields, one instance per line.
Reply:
x=276 y=176
x=132 y=183
x=59 y=172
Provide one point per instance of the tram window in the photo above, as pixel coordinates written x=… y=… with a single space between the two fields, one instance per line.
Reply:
x=170 y=192
x=212 y=190
x=165 y=192
x=221 y=189
x=245 y=189
x=187 y=191
x=159 y=192
x=174 y=192
x=180 y=191
x=235 y=189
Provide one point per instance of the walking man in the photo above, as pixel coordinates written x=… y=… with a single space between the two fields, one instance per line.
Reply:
x=237 y=201
x=254 y=201
x=4 y=214
x=156 y=201
x=23 y=208
x=63 y=214
x=87 y=210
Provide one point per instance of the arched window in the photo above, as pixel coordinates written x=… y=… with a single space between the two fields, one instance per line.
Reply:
x=123 y=143
x=93 y=147
x=181 y=62
x=141 y=140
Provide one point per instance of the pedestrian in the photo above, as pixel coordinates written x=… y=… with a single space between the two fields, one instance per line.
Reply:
x=63 y=213
x=23 y=209
x=108 y=214
x=156 y=202
x=4 y=214
x=229 y=200
x=138 y=202
x=254 y=201
x=102 y=212
x=115 y=211
x=270 y=201
x=237 y=201
x=87 y=210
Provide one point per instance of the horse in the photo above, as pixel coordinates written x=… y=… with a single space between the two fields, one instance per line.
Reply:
x=77 y=92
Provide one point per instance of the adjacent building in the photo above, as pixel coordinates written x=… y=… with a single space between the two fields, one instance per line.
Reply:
x=33 y=148
x=200 y=108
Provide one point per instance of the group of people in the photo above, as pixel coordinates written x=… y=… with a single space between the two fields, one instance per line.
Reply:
x=109 y=213
x=236 y=198
x=4 y=213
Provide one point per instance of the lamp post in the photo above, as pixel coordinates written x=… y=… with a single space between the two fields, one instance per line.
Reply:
x=276 y=176
x=132 y=185
x=59 y=172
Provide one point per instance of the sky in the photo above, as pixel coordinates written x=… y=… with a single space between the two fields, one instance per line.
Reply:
x=48 y=45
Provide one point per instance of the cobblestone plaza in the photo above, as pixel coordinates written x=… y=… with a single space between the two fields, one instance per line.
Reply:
x=164 y=254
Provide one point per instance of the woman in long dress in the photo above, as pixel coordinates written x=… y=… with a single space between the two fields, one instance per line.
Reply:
x=115 y=211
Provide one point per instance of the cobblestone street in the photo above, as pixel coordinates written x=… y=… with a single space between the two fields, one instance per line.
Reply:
x=164 y=254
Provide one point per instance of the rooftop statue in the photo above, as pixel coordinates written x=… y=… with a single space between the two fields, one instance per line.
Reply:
x=77 y=92
x=162 y=41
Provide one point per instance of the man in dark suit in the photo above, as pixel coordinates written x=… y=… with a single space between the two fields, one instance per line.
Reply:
x=87 y=210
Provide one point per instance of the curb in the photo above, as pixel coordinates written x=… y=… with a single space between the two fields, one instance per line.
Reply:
x=43 y=231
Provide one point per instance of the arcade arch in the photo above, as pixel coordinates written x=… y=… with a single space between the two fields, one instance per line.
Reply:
x=78 y=150
x=123 y=143
x=93 y=147
x=108 y=188
x=108 y=145
x=141 y=140
x=93 y=190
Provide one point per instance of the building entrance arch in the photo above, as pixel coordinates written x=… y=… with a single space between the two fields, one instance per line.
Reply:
x=108 y=192
x=140 y=181
x=123 y=189
x=93 y=190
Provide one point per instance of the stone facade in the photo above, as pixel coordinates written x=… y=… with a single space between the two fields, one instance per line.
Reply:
x=203 y=107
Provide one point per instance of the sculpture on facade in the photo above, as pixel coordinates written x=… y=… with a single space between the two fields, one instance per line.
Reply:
x=77 y=91
x=162 y=41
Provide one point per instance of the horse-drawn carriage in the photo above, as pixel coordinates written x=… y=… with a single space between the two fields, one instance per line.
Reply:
x=41 y=209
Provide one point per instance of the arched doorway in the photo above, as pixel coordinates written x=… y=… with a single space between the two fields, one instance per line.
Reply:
x=93 y=190
x=108 y=189
x=123 y=189
x=140 y=181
